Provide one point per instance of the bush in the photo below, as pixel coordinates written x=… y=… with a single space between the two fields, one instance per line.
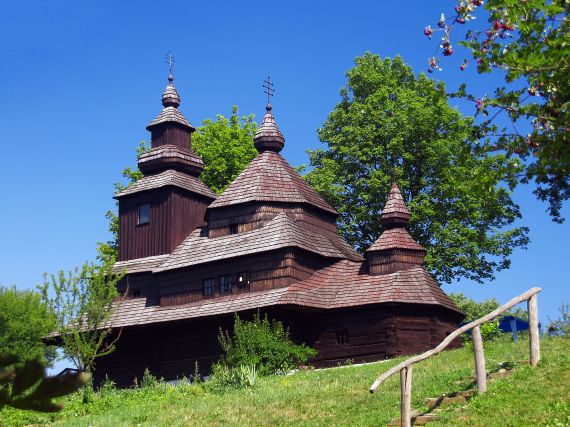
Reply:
x=264 y=344
x=24 y=320
x=224 y=377
x=474 y=310
x=560 y=326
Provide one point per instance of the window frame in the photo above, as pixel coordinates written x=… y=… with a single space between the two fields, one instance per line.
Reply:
x=242 y=284
x=226 y=287
x=139 y=209
x=342 y=336
x=212 y=287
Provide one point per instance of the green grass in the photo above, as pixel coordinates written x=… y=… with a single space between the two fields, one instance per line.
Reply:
x=340 y=397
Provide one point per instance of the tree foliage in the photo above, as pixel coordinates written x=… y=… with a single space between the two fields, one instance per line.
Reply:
x=83 y=302
x=24 y=321
x=391 y=126
x=226 y=146
x=528 y=42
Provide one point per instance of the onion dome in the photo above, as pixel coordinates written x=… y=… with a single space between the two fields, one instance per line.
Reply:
x=170 y=114
x=268 y=137
x=170 y=96
x=395 y=249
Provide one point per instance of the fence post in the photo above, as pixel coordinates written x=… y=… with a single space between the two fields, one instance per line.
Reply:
x=479 y=354
x=406 y=396
x=533 y=330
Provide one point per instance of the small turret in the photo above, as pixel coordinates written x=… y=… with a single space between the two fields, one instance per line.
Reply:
x=395 y=249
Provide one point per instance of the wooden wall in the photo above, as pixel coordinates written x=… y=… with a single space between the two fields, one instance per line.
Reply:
x=171 y=350
x=170 y=133
x=175 y=213
x=251 y=216
x=267 y=270
x=390 y=261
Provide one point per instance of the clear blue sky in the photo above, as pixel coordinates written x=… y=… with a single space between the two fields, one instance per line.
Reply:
x=79 y=81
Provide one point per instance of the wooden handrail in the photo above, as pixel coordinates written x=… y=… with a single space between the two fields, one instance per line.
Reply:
x=517 y=300
x=405 y=367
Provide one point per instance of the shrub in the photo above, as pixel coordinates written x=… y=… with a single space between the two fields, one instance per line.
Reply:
x=474 y=310
x=264 y=344
x=224 y=377
x=24 y=320
x=560 y=326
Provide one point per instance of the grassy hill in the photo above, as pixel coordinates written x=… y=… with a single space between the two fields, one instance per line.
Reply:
x=340 y=397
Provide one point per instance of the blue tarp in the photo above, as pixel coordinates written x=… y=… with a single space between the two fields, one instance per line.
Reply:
x=511 y=324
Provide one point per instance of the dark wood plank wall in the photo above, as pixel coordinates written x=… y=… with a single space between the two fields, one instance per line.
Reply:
x=254 y=215
x=171 y=350
x=170 y=133
x=174 y=214
x=393 y=260
x=268 y=270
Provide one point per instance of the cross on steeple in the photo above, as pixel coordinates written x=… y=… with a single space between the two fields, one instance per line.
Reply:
x=170 y=61
x=268 y=86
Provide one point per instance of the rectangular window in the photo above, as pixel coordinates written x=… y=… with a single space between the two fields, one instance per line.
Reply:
x=243 y=280
x=342 y=337
x=208 y=287
x=143 y=214
x=233 y=228
x=136 y=294
x=226 y=284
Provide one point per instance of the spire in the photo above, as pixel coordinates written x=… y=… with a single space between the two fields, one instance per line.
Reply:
x=395 y=249
x=395 y=213
x=268 y=137
x=171 y=101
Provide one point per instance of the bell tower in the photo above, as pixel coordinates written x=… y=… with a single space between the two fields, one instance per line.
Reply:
x=160 y=210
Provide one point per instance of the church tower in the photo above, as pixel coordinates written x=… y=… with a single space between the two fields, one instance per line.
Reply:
x=157 y=212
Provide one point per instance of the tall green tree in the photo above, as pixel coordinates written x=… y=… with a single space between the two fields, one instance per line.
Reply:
x=393 y=126
x=226 y=147
x=83 y=302
x=24 y=321
x=528 y=44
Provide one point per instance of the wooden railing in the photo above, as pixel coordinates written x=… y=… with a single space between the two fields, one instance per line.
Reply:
x=405 y=368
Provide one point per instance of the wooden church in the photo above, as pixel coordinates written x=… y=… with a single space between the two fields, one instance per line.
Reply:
x=269 y=242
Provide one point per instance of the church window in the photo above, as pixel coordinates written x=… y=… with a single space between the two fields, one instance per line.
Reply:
x=208 y=287
x=143 y=214
x=233 y=228
x=243 y=280
x=226 y=283
x=342 y=336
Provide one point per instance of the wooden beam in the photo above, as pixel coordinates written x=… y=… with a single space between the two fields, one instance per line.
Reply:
x=406 y=397
x=456 y=333
x=533 y=330
x=480 y=370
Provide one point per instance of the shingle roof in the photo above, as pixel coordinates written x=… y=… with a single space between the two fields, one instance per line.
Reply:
x=268 y=136
x=139 y=265
x=281 y=232
x=269 y=178
x=341 y=285
x=168 y=177
x=170 y=114
x=395 y=207
x=395 y=238
x=345 y=284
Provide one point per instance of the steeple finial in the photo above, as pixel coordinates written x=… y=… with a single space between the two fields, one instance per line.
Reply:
x=268 y=137
x=170 y=61
x=170 y=96
x=268 y=86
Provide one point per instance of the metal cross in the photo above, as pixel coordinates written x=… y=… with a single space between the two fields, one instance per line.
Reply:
x=170 y=61
x=268 y=86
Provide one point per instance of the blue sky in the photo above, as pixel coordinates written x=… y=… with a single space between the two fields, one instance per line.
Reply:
x=79 y=81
